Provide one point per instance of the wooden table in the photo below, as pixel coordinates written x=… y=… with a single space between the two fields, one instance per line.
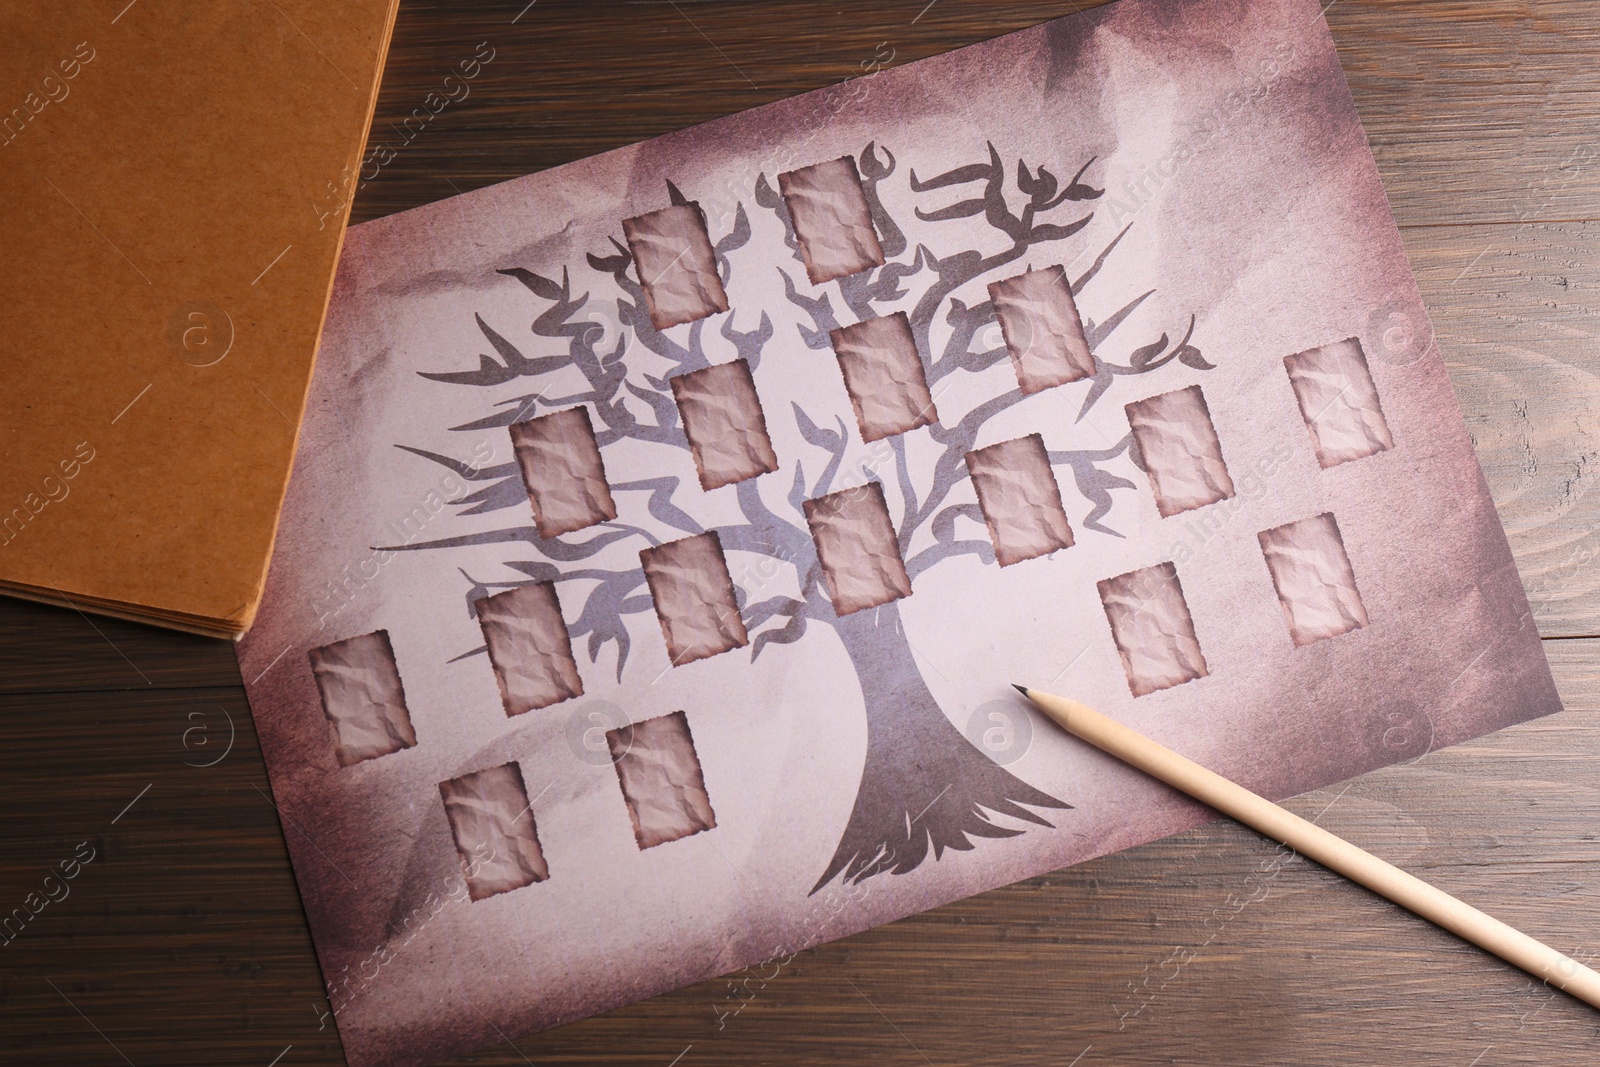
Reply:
x=182 y=941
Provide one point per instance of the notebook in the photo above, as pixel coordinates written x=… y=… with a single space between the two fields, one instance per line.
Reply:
x=179 y=178
x=670 y=526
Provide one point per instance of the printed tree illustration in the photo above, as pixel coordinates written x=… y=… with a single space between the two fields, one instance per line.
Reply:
x=924 y=786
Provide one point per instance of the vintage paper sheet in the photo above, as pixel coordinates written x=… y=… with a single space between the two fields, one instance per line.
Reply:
x=668 y=527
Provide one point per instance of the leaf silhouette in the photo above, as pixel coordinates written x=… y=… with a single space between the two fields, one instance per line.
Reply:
x=660 y=504
x=797 y=492
x=489 y=372
x=766 y=195
x=1189 y=355
x=1077 y=190
x=1050 y=231
x=815 y=434
x=738 y=236
x=466 y=470
x=507 y=493
x=787 y=634
x=614 y=265
x=1100 y=261
x=537 y=569
x=1141 y=359
x=517 y=409
x=540 y=285
x=961 y=175
x=1040 y=188
x=959 y=210
x=871 y=169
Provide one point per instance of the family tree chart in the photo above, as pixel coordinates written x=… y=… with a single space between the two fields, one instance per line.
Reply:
x=759 y=457
x=925 y=787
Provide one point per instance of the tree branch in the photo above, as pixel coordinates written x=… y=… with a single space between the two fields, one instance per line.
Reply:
x=660 y=504
x=1094 y=483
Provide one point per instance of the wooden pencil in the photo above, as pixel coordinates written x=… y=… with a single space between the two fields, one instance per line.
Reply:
x=1330 y=850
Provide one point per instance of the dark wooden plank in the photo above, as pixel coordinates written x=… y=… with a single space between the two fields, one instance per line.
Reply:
x=1517 y=313
x=50 y=648
x=182 y=939
x=1477 y=111
x=571 y=78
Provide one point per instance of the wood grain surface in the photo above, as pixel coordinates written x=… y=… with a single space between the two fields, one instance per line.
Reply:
x=182 y=940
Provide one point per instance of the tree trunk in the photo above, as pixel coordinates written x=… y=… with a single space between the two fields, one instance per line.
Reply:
x=924 y=785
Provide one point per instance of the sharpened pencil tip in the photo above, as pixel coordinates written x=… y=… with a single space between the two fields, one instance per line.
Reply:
x=1020 y=688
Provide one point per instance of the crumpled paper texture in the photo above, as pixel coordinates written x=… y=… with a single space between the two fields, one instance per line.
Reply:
x=1311 y=572
x=673 y=257
x=831 y=219
x=857 y=548
x=1020 y=499
x=529 y=647
x=563 y=472
x=494 y=830
x=723 y=420
x=1339 y=402
x=1152 y=628
x=884 y=376
x=661 y=779
x=1043 y=333
x=694 y=598
x=362 y=697
x=1179 y=450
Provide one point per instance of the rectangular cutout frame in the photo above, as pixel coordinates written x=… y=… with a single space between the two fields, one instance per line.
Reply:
x=529 y=647
x=832 y=219
x=362 y=697
x=1315 y=584
x=563 y=472
x=694 y=597
x=884 y=376
x=858 y=549
x=676 y=264
x=1339 y=402
x=662 y=783
x=497 y=840
x=1020 y=499
x=1152 y=628
x=723 y=420
x=1179 y=450
x=1042 y=329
